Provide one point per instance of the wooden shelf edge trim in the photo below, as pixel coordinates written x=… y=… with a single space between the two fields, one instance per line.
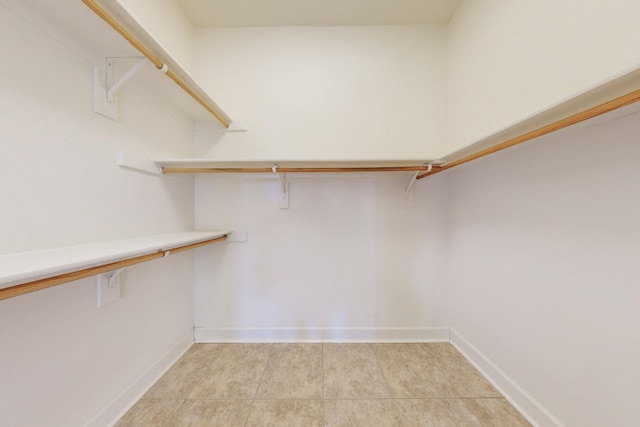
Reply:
x=196 y=245
x=48 y=282
x=168 y=170
x=104 y=15
x=582 y=116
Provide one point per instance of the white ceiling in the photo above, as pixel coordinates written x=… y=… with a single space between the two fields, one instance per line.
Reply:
x=253 y=13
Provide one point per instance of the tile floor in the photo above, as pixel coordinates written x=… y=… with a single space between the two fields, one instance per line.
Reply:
x=322 y=385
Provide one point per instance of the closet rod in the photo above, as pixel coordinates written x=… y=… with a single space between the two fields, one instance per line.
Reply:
x=214 y=110
x=587 y=114
x=299 y=170
x=48 y=282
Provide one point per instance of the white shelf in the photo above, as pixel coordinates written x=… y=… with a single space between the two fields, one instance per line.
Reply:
x=214 y=163
x=79 y=29
x=24 y=267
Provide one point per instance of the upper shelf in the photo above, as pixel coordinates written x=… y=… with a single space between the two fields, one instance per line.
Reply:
x=24 y=267
x=291 y=166
x=592 y=102
x=124 y=24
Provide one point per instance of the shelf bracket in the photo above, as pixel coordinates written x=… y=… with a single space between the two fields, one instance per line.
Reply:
x=409 y=193
x=114 y=273
x=413 y=180
x=112 y=87
x=108 y=287
x=138 y=163
x=105 y=87
x=284 y=185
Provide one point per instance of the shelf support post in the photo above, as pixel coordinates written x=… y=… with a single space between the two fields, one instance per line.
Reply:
x=284 y=186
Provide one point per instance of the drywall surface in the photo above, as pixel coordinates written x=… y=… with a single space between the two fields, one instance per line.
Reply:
x=345 y=262
x=544 y=272
x=63 y=360
x=165 y=21
x=319 y=93
x=508 y=60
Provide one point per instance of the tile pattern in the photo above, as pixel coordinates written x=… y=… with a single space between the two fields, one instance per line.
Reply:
x=410 y=373
x=294 y=371
x=342 y=385
x=351 y=370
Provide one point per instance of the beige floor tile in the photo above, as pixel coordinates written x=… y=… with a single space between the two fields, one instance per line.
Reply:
x=293 y=371
x=286 y=413
x=151 y=413
x=361 y=413
x=203 y=355
x=411 y=373
x=210 y=413
x=177 y=382
x=496 y=413
x=442 y=351
x=468 y=382
x=436 y=413
x=466 y=379
x=216 y=384
x=235 y=374
x=352 y=370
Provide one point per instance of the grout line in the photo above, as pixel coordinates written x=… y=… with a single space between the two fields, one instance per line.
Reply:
x=466 y=404
x=437 y=364
x=177 y=410
x=323 y=395
x=227 y=399
x=266 y=365
x=384 y=377
x=255 y=394
x=407 y=398
x=395 y=400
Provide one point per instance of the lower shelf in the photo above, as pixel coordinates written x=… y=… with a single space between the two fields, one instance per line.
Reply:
x=26 y=272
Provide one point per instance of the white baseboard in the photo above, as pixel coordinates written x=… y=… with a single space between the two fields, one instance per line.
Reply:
x=520 y=399
x=125 y=400
x=435 y=334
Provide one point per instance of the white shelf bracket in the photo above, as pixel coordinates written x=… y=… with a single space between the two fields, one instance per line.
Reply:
x=114 y=273
x=108 y=287
x=415 y=175
x=138 y=163
x=105 y=101
x=284 y=185
x=112 y=87
x=409 y=192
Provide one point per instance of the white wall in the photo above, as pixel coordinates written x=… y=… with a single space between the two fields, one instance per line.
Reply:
x=62 y=359
x=542 y=268
x=346 y=261
x=508 y=60
x=320 y=93
x=544 y=271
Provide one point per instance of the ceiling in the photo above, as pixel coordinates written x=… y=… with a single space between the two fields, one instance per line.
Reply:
x=261 y=13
